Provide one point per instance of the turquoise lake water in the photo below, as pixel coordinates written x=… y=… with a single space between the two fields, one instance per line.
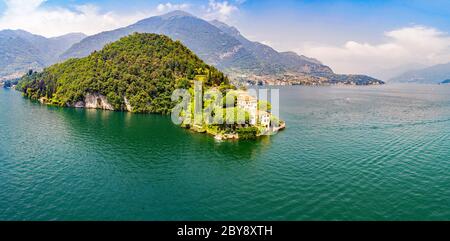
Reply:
x=349 y=153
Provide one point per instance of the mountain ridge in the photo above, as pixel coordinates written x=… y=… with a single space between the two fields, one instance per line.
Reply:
x=429 y=75
x=224 y=47
x=21 y=51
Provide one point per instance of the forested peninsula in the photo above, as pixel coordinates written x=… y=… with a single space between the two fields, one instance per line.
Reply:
x=139 y=73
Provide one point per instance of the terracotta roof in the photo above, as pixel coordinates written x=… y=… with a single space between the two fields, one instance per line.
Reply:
x=246 y=97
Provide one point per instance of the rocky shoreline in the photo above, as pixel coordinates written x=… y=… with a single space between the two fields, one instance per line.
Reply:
x=100 y=102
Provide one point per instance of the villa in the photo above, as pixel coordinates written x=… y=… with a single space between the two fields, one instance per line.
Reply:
x=264 y=118
x=249 y=103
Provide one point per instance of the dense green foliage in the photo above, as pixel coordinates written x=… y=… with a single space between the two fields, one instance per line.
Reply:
x=225 y=47
x=143 y=68
x=247 y=133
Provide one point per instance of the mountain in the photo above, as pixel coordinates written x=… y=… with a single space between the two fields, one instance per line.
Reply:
x=21 y=51
x=431 y=75
x=138 y=73
x=273 y=60
x=207 y=41
x=224 y=47
x=447 y=81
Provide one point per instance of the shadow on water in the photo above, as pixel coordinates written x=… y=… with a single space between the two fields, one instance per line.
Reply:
x=140 y=134
x=150 y=138
x=233 y=150
x=339 y=159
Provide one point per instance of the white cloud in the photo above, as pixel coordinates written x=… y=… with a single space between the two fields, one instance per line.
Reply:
x=414 y=46
x=167 y=7
x=31 y=15
x=220 y=10
x=34 y=16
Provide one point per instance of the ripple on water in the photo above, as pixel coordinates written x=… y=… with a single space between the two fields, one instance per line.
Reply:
x=362 y=153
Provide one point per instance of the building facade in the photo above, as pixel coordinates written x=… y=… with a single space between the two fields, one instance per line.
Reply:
x=250 y=104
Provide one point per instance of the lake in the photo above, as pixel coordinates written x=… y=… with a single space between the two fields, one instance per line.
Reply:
x=348 y=153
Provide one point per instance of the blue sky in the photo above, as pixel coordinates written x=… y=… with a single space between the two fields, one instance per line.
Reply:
x=378 y=15
x=349 y=35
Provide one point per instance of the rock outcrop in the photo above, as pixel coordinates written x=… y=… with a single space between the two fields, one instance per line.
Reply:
x=94 y=101
x=128 y=106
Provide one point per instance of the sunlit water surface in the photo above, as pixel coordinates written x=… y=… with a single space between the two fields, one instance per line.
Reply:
x=349 y=153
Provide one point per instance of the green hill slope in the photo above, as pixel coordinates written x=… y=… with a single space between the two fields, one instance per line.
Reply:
x=138 y=73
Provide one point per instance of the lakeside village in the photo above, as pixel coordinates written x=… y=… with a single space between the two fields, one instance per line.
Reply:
x=237 y=116
x=9 y=84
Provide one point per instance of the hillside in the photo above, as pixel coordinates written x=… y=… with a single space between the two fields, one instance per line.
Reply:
x=138 y=73
x=431 y=75
x=21 y=51
x=224 y=47
x=207 y=41
x=271 y=61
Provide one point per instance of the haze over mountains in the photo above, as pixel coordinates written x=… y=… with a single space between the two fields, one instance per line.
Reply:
x=215 y=42
x=430 y=75
x=21 y=51
x=224 y=47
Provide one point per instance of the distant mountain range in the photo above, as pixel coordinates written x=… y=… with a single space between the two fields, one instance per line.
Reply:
x=224 y=47
x=431 y=75
x=21 y=51
x=215 y=42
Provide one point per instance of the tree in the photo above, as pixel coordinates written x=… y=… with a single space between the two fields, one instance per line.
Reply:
x=145 y=68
